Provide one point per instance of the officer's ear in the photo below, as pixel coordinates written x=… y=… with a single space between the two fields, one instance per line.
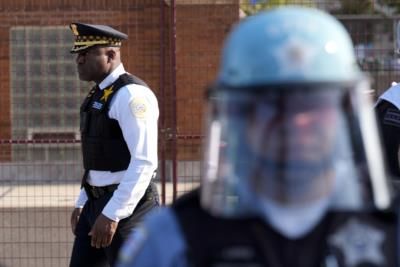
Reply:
x=111 y=54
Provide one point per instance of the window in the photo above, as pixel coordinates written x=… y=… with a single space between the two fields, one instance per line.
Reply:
x=45 y=90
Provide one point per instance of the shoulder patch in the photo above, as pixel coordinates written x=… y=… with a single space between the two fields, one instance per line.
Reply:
x=392 y=117
x=132 y=245
x=360 y=244
x=139 y=108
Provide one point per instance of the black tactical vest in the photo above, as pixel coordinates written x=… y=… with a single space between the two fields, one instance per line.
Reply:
x=343 y=239
x=103 y=145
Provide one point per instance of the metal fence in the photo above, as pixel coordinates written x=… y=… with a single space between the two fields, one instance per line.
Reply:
x=174 y=45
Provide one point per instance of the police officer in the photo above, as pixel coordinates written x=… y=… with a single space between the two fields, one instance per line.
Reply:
x=119 y=146
x=388 y=113
x=288 y=179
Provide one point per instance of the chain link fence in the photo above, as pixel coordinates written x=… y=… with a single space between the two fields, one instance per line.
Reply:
x=174 y=45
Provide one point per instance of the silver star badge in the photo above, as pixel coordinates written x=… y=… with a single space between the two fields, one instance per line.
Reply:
x=295 y=56
x=359 y=243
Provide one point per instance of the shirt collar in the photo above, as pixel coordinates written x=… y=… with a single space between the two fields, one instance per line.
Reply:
x=113 y=76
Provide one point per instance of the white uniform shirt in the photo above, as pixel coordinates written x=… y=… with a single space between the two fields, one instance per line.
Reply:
x=135 y=108
x=391 y=95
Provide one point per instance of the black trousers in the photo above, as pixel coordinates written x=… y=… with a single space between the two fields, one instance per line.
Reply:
x=83 y=254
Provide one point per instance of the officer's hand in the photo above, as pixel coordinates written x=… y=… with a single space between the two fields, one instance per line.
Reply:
x=103 y=231
x=74 y=218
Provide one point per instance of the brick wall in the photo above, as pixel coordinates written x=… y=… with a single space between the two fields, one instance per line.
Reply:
x=200 y=29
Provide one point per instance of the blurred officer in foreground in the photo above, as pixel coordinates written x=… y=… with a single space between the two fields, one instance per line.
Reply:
x=293 y=172
x=388 y=113
x=119 y=146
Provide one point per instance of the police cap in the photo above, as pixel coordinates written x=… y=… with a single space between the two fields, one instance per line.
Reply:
x=88 y=35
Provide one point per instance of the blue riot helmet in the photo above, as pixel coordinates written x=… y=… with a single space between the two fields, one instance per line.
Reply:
x=288 y=122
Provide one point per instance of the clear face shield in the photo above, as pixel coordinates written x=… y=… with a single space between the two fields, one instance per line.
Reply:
x=292 y=146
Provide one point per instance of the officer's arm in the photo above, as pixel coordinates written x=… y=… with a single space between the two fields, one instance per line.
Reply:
x=137 y=116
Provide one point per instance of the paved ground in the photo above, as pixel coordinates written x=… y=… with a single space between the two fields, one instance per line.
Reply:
x=34 y=223
x=58 y=195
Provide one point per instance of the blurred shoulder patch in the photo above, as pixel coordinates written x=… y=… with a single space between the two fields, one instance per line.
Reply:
x=392 y=117
x=132 y=245
x=139 y=107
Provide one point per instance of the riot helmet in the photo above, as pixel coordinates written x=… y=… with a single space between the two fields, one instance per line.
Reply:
x=288 y=121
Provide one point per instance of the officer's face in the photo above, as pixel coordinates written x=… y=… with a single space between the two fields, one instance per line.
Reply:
x=93 y=64
x=293 y=142
x=297 y=129
x=281 y=141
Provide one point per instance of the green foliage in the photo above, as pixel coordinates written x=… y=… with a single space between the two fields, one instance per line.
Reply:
x=267 y=4
x=357 y=7
x=392 y=3
x=346 y=6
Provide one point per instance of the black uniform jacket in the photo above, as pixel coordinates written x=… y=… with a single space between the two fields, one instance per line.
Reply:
x=103 y=145
x=343 y=239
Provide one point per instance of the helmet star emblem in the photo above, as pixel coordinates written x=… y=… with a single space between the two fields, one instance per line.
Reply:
x=295 y=56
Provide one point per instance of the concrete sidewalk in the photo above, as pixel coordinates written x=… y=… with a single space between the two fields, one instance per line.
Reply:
x=60 y=195
x=35 y=223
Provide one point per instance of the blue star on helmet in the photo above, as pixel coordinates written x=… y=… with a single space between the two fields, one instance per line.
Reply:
x=295 y=57
x=359 y=243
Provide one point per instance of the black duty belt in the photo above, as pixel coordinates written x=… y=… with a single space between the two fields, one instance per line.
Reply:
x=99 y=191
x=96 y=192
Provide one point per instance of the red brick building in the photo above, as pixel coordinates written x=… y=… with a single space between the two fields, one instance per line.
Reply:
x=173 y=45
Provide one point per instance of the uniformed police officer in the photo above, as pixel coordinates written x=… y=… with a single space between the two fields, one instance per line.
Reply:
x=119 y=146
x=388 y=112
x=293 y=170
